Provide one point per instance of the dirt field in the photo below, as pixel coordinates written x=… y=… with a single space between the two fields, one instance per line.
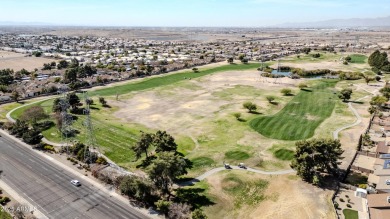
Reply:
x=287 y=197
x=192 y=103
x=17 y=61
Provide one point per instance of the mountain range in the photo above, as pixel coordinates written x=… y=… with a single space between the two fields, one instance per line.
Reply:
x=341 y=23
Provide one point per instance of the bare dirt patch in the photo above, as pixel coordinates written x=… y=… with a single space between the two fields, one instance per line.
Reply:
x=17 y=61
x=295 y=200
x=184 y=106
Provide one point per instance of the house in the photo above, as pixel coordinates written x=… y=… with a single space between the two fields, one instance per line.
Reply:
x=378 y=206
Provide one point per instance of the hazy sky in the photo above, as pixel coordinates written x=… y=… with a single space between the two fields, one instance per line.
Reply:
x=251 y=13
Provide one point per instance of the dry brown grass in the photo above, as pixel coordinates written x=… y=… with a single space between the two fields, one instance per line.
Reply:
x=17 y=61
x=286 y=197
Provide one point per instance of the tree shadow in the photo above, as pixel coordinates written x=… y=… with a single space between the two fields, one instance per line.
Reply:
x=94 y=108
x=193 y=196
x=255 y=112
x=106 y=106
x=357 y=102
x=307 y=90
x=274 y=103
x=241 y=120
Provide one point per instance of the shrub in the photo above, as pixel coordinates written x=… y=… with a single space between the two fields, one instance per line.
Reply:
x=49 y=148
x=349 y=206
x=302 y=86
x=250 y=106
x=237 y=115
x=342 y=200
x=336 y=205
x=270 y=98
x=286 y=91
x=101 y=160
x=163 y=206
x=4 y=200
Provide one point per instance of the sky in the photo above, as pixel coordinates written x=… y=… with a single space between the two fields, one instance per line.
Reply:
x=194 y=13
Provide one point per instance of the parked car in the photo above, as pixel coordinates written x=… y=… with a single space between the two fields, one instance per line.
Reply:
x=227 y=166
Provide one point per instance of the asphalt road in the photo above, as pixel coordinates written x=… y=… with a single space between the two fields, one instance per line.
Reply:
x=47 y=186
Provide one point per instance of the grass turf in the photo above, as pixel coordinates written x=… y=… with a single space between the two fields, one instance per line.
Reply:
x=168 y=79
x=284 y=154
x=350 y=214
x=301 y=116
x=236 y=155
x=358 y=59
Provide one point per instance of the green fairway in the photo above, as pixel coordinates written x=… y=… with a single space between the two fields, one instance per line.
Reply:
x=350 y=214
x=358 y=59
x=301 y=116
x=169 y=79
x=284 y=154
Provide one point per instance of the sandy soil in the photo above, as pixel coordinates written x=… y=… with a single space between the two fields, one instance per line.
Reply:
x=17 y=61
x=186 y=107
x=295 y=200
x=334 y=65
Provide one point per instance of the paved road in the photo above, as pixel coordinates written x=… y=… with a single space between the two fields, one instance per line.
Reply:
x=47 y=186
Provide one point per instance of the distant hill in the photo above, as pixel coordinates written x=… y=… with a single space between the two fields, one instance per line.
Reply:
x=340 y=23
x=12 y=23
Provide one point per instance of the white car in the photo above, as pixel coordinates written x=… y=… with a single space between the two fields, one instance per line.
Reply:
x=75 y=182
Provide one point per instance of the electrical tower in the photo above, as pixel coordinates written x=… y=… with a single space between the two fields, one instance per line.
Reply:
x=90 y=141
x=66 y=120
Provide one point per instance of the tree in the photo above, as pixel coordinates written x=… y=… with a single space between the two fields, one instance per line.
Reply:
x=316 y=156
x=102 y=101
x=62 y=64
x=70 y=75
x=57 y=107
x=74 y=63
x=286 y=91
x=15 y=96
x=345 y=94
x=385 y=91
x=302 y=86
x=166 y=168
x=34 y=114
x=179 y=211
x=367 y=78
x=19 y=128
x=237 y=115
x=348 y=59
x=378 y=101
x=163 y=206
x=251 y=107
x=73 y=100
x=138 y=188
x=378 y=60
x=6 y=76
x=164 y=142
x=230 y=60
x=143 y=145
x=270 y=98
x=195 y=70
x=32 y=136
x=198 y=214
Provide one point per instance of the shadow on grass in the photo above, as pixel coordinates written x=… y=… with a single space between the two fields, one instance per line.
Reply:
x=193 y=196
x=357 y=102
x=255 y=113
x=94 y=108
x=274 y=103
x=241 y=120
x=307 y=90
